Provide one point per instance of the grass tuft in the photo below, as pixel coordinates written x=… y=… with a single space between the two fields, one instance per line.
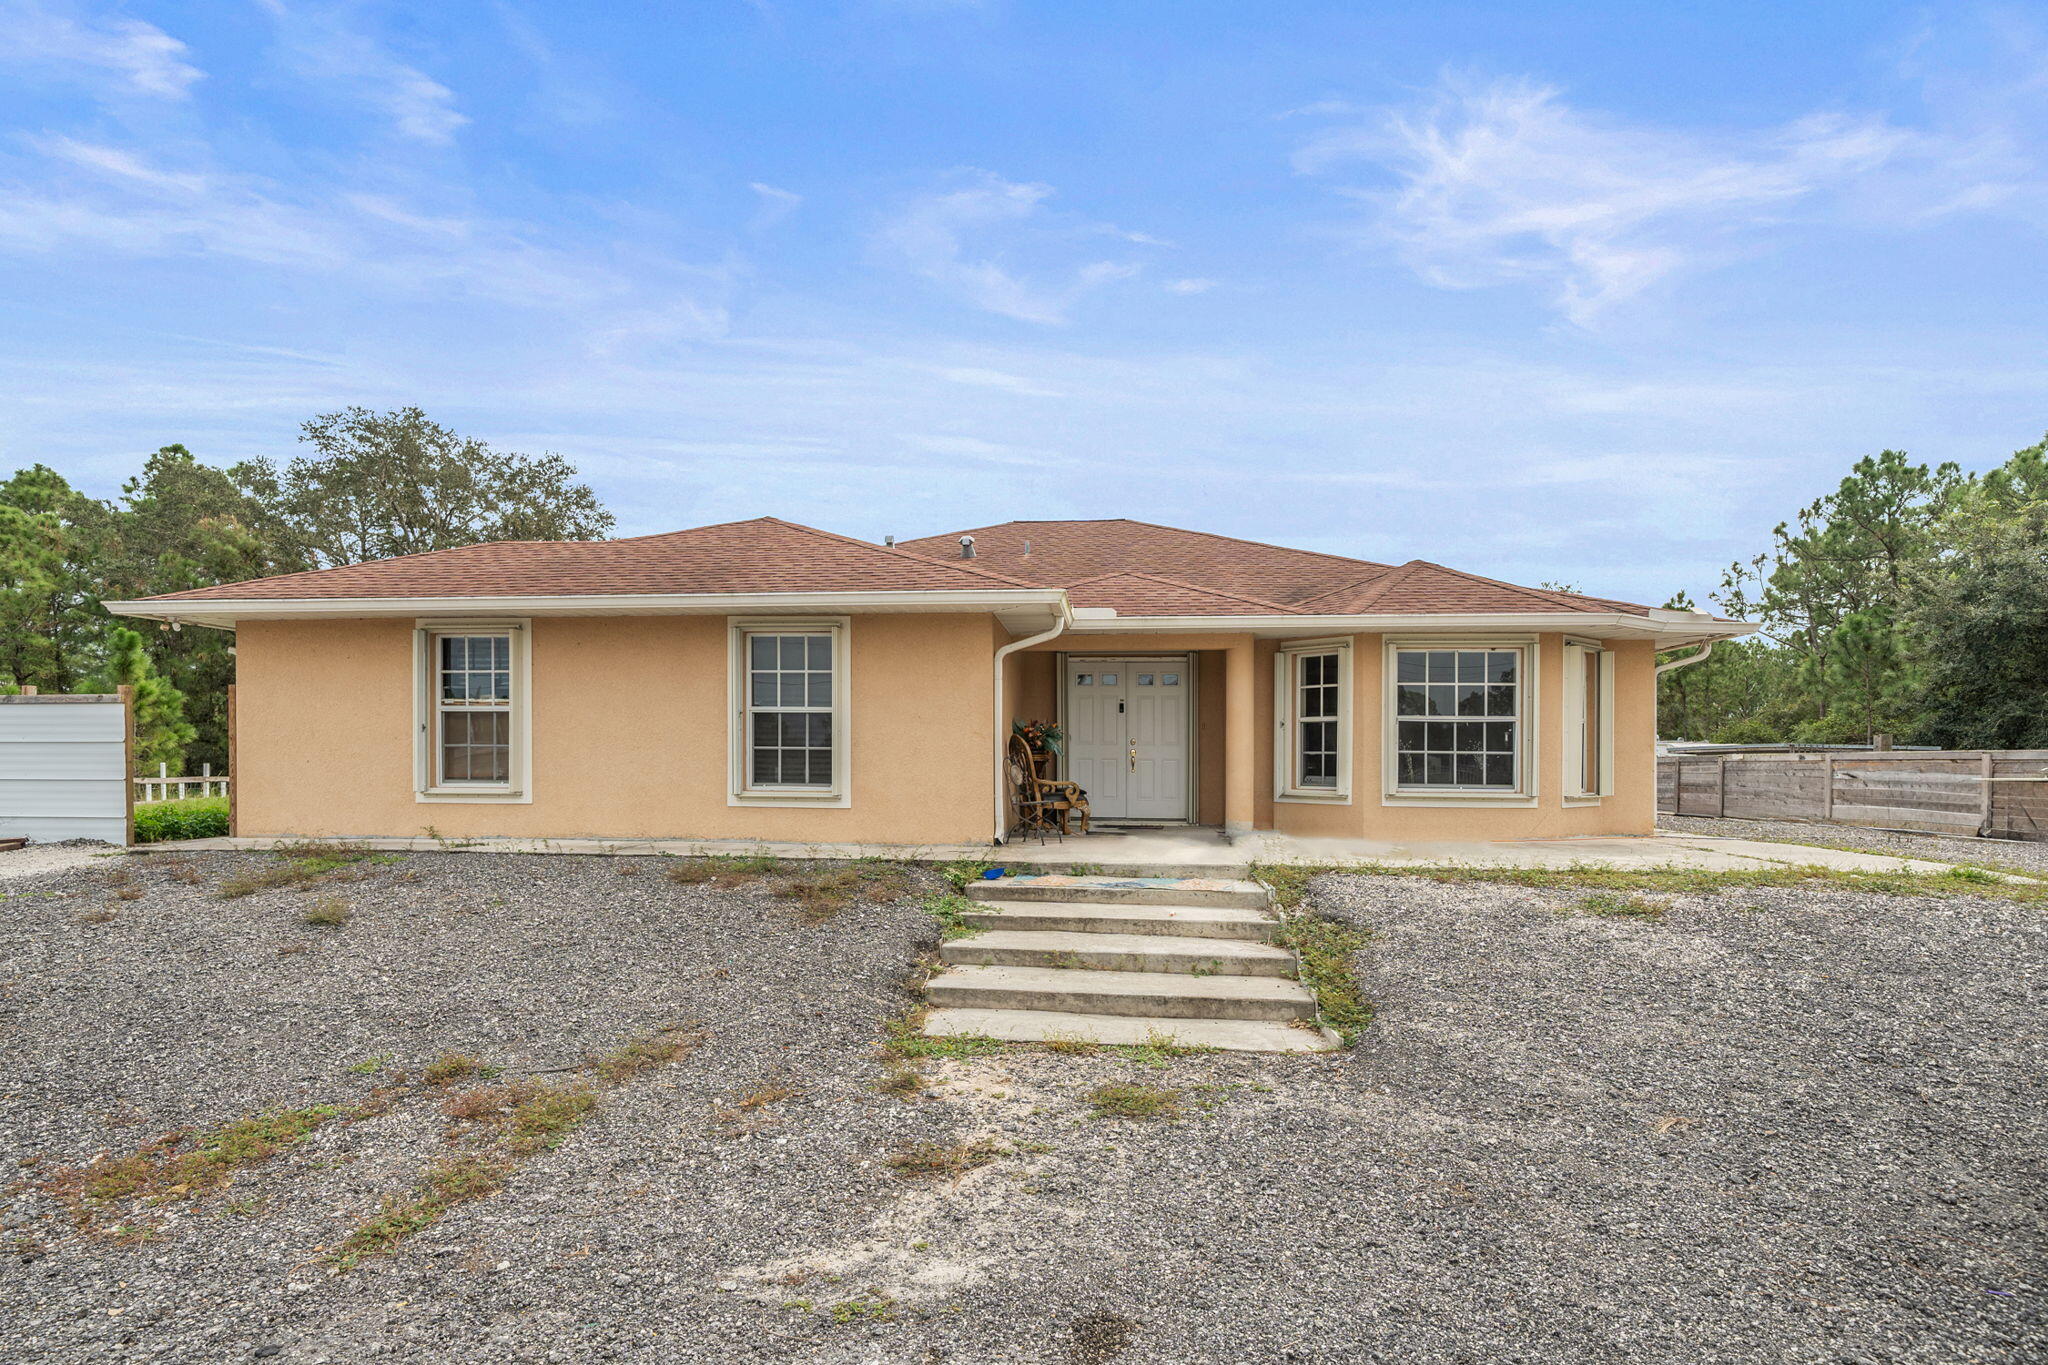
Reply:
x=450 y=1067
x=457 y=1180
x=294 y=865
x=1124 y=1100
x=183 y=1164
x=644 y=1054
x=904 y=1083
x=331 y=913
x=1619 y=905
x=1324 y=948
x=938 y=1161
x=547 y=1114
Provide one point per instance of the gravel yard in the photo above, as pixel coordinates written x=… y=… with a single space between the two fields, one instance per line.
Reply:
x=2028 y=859
x=1765 y=1125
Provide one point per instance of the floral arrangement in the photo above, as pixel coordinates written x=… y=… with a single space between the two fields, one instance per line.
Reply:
x=1044 y=736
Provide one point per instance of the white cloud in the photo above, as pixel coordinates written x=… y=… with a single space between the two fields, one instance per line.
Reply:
x=320 y=44
x=967 y=239
x=1506 y=182
x=1190 y=286
x=141 y=58
x=776 y=204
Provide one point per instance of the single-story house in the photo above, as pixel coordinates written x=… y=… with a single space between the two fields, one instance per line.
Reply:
x=769 y=681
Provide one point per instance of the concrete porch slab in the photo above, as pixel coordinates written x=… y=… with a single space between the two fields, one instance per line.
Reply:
x=1191 y=852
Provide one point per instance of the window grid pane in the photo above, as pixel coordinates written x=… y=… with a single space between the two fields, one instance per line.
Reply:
x=1457 y=718
x=474 y=704
x=1315 y=714
x=789 y=701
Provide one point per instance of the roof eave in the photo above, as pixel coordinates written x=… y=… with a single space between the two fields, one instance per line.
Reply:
x=226 y=612
x=1616 y=625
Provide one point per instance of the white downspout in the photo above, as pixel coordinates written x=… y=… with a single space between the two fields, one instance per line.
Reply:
x=1673 y=665
x=1002 y=719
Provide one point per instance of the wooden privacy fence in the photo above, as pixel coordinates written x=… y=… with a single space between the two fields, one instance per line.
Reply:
x=2002 y=793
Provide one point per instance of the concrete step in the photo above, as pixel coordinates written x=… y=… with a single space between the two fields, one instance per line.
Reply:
x=1156 y=995
x=1008 y=947
x=1080 y=917
x=1049 y=1026
x=1100 y=890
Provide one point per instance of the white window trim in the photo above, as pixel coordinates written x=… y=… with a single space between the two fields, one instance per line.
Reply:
x=518 y=791
x=738 y=793
x=1529 y=749
x=1577 y=791
x=1285 y=696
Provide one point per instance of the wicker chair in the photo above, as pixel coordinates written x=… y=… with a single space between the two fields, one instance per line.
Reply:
x=1045 y=805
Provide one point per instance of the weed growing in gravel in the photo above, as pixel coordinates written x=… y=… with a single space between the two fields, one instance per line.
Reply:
x=1128 y=1101
x=546 y=1116
x=182 y=1164
x=181 y=871
x=962 y=872
x=100 y=916
x=369 y=1066
x=1619 y=905
x=822 y=893
x=1158 y=1049
x=951 y=909
x=904 y=1083
x=1693 y=880
x=880 y=1309
x=488 y=1102
x=331 y=913
x=644 y=1054
x=938 y=1161
x=450 y=1067
x=300 y=864
x=906 y=1040
x=1324 y=948
x=455 y=1181
x=1078 y=1047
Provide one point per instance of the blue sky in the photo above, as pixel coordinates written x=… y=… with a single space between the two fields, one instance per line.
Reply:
x=1590 y=293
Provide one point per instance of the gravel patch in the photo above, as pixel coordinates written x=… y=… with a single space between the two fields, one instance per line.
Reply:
x=33 y=860
x=2010 y=854
x=1779 y=1125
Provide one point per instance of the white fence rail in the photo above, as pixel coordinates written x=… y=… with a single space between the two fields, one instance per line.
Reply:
x=159 y=788
x=64 y=768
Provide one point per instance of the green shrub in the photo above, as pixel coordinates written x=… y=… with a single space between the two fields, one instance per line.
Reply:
x=196 y=817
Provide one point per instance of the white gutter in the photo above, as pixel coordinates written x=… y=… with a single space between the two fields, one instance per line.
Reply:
x=1614 y=624
x=1002 y=720
x=1672 y=666
x=288 y=608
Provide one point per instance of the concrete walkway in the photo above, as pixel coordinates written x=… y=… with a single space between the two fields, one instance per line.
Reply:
x=1187 y=852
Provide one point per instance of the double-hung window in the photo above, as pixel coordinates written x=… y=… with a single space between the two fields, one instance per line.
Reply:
x=790 y=737
x=1588 y=720
x=472 y=730
x=1312 y=691
x=1459 y=720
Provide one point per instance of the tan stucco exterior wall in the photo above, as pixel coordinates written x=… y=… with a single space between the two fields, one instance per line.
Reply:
x=1630 y=809
x=629 y=733
x=630 y=736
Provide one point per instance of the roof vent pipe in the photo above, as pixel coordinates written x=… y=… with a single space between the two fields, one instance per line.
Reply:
x=967 y=547
x=890 y=541
x=1027 y=549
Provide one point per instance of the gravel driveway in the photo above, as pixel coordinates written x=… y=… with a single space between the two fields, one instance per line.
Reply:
x=2025 y=857
x=1768 y=1126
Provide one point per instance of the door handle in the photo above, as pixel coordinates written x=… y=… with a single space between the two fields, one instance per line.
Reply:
x=1134 y=755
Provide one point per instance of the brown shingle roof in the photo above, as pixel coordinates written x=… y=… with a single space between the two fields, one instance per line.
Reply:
x=1063 y=553
x=762 y=555
x=1419 y=587
x=1144 y=594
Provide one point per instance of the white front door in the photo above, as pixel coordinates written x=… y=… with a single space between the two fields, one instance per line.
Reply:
x=1127 y=735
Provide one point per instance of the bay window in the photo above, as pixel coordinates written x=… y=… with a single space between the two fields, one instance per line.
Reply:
x=1312 y=693
x=1459 y=719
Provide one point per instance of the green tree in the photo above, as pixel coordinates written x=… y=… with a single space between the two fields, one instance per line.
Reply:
x=1979 y=612
x=396 y=483
x=161 y=730
x=54 y=545
x=183 y=524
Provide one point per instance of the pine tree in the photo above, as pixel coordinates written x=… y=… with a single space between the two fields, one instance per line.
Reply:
x=161 y=730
